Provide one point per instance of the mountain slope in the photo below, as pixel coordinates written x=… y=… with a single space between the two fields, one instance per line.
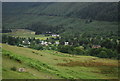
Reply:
x=62 y=17
x=84 y=10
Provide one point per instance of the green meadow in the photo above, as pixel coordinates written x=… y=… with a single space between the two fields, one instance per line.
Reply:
x=49 y=64
x=24 y=33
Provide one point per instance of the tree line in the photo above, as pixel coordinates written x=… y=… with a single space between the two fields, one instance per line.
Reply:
x=107 y=49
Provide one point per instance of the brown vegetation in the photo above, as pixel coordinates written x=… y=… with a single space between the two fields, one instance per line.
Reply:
x=86 y=64
x=34 y=52
x=55 y=59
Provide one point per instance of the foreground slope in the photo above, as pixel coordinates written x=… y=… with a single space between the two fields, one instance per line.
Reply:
x=51 y=64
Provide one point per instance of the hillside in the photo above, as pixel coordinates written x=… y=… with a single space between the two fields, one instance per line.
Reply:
x=62 y=17
x=53 y=65
x=94 y=10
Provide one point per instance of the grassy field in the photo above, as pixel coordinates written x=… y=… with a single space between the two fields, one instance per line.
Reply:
x=48 y=64
x=24 y=33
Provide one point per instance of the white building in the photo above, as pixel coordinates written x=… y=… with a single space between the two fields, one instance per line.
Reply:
x=66 y=43
x=23 y=41
x=26 y=42
x=44 y=43
x=57 y=42
x=29 y=42
x=55 y=35
x=49 y=43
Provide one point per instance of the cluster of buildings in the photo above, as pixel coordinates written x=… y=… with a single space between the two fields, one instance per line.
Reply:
x=55 y=35
x=44 y=43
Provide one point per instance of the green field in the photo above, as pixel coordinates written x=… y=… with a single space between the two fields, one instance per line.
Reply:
x=24 y=33
x=48 y=64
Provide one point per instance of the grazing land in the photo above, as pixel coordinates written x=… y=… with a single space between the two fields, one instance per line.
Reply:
x=53 y=64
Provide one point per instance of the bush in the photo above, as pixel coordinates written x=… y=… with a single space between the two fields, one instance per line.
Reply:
x=14 y=68
x=37 y=47
x=102 y=54
x=79 y=50
x=65 y=48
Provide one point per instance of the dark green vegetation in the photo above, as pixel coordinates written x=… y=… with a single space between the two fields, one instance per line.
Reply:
x=61 y=17
x=91 y=10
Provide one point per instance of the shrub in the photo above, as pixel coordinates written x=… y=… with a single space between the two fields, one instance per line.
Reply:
x=14 y=68
x=79 y=50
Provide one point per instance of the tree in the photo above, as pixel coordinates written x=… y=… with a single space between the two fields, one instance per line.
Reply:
x=102 y=54
x=65 y=48
x=107 y=43
x=79 y=50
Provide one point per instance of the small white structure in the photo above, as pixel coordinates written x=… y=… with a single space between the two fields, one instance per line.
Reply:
x=55 y=35
x=25 y=46
x=26 y=42
x=48 y=32
x=66 y=43
x=117 y=41
x=23 y=41
x=96 y=46
x=29 y=42
x=44 y=43
x=49 y=43
x=57 y=42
